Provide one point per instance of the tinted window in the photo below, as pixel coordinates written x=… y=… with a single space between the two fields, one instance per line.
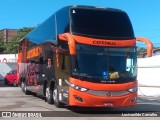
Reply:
x=62 y=18
x=15 y=71
x=11 y=72
x=44 y=32
x=105 y=23
x=103 y=64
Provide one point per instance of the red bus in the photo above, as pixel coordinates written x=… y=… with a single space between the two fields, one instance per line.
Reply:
x=81 y=56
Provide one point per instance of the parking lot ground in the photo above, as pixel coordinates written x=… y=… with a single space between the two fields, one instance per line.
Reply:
x=14 y=100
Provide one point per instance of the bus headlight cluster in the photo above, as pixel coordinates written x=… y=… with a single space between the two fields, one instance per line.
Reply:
x=134 y=89
x=82 y=89
x=78 y=88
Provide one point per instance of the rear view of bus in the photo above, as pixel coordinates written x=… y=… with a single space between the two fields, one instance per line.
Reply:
x=103 y=60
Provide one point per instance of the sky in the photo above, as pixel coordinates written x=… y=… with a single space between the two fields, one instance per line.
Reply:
x=144 y=14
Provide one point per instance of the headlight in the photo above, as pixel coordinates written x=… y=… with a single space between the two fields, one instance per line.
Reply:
x=134 y=89
x=78 y=88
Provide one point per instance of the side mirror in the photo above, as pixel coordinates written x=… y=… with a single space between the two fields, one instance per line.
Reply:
x=62 y=37
x=148 y=43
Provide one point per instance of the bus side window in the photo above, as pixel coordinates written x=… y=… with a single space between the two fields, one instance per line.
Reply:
x=41 y=60
x=49 y=63
x=65 y=63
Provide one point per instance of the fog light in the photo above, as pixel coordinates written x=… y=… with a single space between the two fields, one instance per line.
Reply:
x=133 y=99
x=78 y=98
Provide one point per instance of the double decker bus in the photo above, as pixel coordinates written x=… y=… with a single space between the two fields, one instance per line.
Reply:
x=81 y=56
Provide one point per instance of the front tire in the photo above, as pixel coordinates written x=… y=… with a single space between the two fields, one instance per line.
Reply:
x=57 y=103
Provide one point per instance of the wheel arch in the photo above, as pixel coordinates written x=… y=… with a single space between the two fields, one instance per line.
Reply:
x=48 y=83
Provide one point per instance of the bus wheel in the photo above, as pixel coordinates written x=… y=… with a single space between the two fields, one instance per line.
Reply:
x=24 y=88
x=57 y=103
x=49 y=95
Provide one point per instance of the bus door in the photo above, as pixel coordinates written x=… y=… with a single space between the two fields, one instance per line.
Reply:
x=62 y=72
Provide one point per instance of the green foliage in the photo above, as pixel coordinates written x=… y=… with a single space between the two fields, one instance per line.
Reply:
x=156 y=47
x=141 y=51
x=2 y=48
x=24 y=31
x=12 y=47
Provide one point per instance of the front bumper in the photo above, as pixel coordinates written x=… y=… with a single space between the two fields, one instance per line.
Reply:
x=84 y=99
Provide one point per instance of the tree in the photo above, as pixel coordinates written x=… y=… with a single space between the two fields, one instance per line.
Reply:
x=2 y=48
x=12 y=47
x=141 y=51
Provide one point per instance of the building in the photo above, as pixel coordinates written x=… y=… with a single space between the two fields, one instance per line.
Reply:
x=8 y=34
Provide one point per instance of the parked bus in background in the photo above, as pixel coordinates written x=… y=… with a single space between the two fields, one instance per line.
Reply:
x=81 y=56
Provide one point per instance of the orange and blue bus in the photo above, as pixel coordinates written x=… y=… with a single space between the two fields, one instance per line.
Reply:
x=81 y=56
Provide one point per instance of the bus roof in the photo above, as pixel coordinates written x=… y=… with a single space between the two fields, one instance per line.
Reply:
x=49 y=26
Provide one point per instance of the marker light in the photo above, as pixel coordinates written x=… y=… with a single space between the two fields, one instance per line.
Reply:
x=43 y=75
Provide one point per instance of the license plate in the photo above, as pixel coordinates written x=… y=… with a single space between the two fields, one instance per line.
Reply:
x=108 y=104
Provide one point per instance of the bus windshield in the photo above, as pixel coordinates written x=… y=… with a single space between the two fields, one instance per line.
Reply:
x=105 y=65
x=101 y=23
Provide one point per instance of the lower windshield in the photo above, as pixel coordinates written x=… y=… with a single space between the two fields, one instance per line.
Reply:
x=105 y=65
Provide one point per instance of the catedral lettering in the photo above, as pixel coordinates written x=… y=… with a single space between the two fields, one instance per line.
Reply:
x=104 y=42
x=86 y=58
x=34 y=52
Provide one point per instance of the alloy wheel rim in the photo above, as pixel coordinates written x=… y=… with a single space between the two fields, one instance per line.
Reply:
x=14 y=83
x=25 y=87
x=22 y=85
x=55 y=95
x=47 y=92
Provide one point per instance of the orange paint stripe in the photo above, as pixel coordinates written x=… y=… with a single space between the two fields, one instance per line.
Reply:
x=104 y=42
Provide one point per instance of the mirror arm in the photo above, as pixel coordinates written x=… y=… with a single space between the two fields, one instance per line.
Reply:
x=148 y=43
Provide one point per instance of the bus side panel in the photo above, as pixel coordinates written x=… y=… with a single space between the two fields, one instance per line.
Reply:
x=40 y=68
x=45 y=69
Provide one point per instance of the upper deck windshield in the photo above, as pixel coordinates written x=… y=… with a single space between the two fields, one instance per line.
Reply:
x=105 y=65
x=101 y=23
